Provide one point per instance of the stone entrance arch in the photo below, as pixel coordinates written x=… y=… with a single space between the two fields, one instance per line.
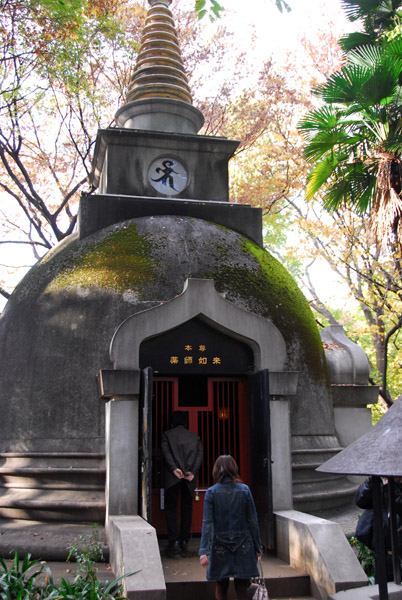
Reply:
x=121 y=386
x=199 y=299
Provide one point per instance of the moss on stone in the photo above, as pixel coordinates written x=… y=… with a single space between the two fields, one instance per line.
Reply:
x=122 y=261
x=271 y=291
x=247 y=274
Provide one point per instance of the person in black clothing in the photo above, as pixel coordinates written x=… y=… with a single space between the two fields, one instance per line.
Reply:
x=364 y=499
x=182 y=453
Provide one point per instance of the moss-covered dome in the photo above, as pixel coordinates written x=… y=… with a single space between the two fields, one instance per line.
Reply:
x=56 y=329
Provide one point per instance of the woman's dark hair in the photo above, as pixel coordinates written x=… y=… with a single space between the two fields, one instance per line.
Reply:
x=225 y=466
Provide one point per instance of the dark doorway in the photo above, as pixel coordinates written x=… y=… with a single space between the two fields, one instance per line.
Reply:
x=204 y=372
x=217 y=410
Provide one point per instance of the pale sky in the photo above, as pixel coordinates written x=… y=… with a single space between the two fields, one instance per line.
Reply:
x=281 y=30
x=278 y=31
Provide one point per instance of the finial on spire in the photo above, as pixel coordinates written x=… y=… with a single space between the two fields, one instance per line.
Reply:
x=159 y=70
x=159 y=78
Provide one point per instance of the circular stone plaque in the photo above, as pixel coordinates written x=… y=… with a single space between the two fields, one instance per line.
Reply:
x=167 y=176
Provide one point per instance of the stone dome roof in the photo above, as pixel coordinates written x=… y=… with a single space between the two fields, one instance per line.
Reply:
x=57 y=326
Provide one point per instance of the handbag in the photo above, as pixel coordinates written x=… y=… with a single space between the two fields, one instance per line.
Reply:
x=257 y=589
x=365 y=528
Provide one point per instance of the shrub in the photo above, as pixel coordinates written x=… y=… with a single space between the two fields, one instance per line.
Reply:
x=16 y=583
x=365 y=556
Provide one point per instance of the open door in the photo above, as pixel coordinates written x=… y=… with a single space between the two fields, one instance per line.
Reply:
x=260 y=454
x=145 y=455
x=217 y=411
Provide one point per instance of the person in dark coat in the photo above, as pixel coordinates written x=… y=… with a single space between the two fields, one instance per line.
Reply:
x=364 y=499
x=182 y=453
x=230 y=539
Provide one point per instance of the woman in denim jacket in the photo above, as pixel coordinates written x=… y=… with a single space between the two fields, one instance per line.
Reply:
x=230 y=540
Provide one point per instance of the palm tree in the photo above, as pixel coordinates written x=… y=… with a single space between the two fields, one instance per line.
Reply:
x=378 y=17
x=355 y=138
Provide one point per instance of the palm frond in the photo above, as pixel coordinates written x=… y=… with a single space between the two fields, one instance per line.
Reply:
x=368 y=55
x=354 y=40
x=352 y=185
x=393 y=142
x=379 y=89
x=394 y=48
x=343 y=86
x=327 y=142
x=371 y=77
x=320 y=175
x=359 y=9
x=320 y=119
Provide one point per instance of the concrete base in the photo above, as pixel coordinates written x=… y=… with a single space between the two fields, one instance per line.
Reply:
x=134 y=548
x=369 y=592
x=320 y=548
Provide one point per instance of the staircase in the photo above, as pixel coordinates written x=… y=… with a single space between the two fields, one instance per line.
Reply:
x=185 y=578
x=314 y=491
x=53 y=486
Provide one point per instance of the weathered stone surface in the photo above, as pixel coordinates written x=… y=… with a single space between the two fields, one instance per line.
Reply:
x=119 y=382
x=122 y=158
x=141 y=559
x=100 y=211
x=56 y=329
x=320 y=548
x=347 y=362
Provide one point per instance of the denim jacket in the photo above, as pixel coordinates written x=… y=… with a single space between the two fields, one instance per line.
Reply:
x=230 y=534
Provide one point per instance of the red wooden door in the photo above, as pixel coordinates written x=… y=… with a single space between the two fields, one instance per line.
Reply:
x=220 y=419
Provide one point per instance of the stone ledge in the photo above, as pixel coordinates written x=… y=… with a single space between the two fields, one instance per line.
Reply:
x=119 y=382
x=98 y=211
x=133 y=546
x=320 y=548
x=283 y=383
x=368 y=593
x=354 y=395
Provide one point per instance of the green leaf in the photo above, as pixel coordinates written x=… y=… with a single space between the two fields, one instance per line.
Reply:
x=320 y=175
x=343 y=86
x=354 y=40
x=321 y=119
x=216 y=8
x=281 y=5
x=113 y=583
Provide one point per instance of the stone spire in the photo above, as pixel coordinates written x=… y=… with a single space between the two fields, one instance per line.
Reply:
x=159 y=96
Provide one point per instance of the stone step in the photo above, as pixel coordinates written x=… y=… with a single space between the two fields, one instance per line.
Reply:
x=49 y=541
x=309 y=496
x=68 y=570
x=52 y=505
x=59 y=477
x=52 y=459
x=304 y=454
x=52 y=486
x=318 y=491
x=185 y=578
x=206 y=591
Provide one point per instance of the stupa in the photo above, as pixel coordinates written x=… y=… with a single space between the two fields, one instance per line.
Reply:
x=163 y=299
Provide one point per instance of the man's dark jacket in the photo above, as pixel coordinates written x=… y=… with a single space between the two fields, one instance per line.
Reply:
x=181 y=450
